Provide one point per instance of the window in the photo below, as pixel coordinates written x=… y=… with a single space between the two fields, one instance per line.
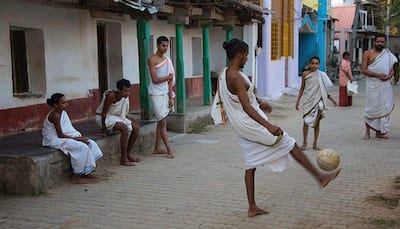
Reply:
x=28 y=65
x=172 y=50
x=282 y=29
x=276 y=33
x=197 y=56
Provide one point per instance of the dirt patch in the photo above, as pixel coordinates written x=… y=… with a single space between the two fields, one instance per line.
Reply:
x=103 y=173
x=383 y=210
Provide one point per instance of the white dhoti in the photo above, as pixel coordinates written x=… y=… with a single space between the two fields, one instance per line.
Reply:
x=116 y=113
x=379 y=94
x=276 y=158
x=313 y=117
x=111 y=120
x=83 y=156
x=160 y=106
x=259 y=146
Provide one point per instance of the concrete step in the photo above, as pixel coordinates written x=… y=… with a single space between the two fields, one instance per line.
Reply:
x=28 y=168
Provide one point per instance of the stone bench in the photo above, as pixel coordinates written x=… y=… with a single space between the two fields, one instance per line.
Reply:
x=28 y=168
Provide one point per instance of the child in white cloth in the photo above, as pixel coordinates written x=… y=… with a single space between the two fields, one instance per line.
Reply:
x=59 y=133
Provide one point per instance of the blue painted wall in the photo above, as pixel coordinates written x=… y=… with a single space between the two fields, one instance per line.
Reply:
x=307 y=49
x=322 y=19
x=314 y=44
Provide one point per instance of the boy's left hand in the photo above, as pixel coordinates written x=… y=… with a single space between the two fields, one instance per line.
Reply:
x=265 y=107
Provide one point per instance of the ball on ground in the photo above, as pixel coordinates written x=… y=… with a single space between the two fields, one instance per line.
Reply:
x=328 y=159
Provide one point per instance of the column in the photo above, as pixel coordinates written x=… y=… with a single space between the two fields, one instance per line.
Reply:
x=228 y=29
x=250 y=35
x=206 y=65
x=180 y=72
x=143 y=35
x=322 y=18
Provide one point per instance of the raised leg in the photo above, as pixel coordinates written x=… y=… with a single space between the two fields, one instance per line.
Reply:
x=303 y=160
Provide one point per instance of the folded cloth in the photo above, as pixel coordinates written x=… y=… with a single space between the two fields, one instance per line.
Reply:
x=160 y=106
x=116 y=113
x=83 y=156
x=258 y=145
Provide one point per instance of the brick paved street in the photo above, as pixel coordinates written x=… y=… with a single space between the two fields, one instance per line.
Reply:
x=203 y=187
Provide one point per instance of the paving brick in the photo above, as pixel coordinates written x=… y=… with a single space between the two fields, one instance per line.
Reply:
x=203 y=187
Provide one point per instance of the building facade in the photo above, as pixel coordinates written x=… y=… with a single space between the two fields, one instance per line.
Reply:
x=82 y=49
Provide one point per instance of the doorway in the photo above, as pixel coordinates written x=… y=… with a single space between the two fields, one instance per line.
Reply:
x=109 y=51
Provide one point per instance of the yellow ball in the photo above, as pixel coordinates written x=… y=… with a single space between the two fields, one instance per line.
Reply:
x=328 y=159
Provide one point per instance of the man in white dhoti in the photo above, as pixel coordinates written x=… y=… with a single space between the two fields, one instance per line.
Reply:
x=314 y=99
x=377 y=65
x=262 y=143
x=59 y=133
x=111 y=115
x=160 y=90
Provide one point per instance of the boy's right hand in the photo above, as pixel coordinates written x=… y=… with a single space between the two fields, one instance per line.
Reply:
x=274 y=130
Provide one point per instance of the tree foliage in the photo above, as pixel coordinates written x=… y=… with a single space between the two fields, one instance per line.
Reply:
x=395 y=17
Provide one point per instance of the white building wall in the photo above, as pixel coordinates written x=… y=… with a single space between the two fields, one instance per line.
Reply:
x=69 y=41
x=217 y=52
x=162 y=28
x=294 y=78
x=130 y=51
x=250 y=37
x=271 y=74
x=70 y=46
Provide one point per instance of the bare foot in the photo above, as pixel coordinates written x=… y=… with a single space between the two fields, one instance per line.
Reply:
x=303 y=147
x=127 y=163
x=133 y=159
x=170 y=155
x=382 y=136
x=328 y=178
x=159 y=151
x=76 y=179
x=315 y=147
x=256 y=211
x=366 y=137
